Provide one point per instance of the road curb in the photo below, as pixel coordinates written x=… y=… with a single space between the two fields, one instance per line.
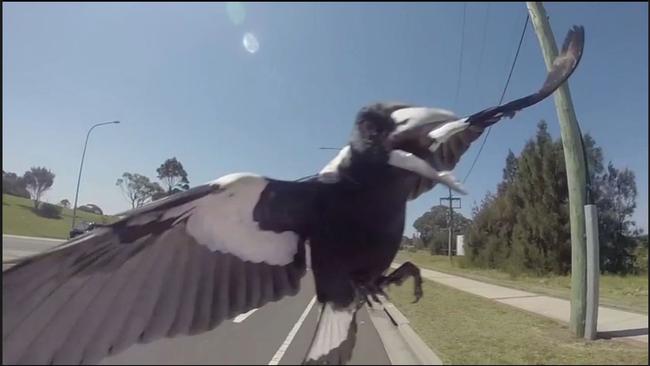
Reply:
x=401 y=342
x=31 y=238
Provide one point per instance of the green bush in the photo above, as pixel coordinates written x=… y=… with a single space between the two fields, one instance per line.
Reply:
x=49 y=211
x=525 y=228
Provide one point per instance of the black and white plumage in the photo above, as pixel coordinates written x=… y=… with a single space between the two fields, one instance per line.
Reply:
x=183 y=264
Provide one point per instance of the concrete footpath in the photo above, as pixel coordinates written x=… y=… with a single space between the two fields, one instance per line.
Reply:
x=612 y=323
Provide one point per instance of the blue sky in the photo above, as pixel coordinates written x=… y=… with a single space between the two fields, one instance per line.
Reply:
x=179 y=79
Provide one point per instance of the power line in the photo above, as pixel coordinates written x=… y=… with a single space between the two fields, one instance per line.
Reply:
x=512 y=68
x=460 y=60
x=480 y=56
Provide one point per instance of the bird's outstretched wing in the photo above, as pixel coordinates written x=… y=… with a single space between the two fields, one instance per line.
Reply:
x=180 y=265
x=442 y=141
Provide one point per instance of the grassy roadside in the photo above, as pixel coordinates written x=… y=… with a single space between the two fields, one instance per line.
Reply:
x=623 y=292
x=19 y=219
x=467 y=329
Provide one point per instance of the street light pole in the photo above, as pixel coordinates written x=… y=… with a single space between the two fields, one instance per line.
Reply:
x=76 y=195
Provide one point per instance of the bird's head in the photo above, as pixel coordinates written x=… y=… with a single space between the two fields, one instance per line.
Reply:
x=383 y=127
x=370 y=136
x=397 y=135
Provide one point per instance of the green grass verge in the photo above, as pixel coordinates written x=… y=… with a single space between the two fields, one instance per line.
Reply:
x=19 y=219
x=622 y=292
x=466 y=329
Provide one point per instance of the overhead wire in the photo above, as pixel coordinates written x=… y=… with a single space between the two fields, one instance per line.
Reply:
x=505 y=88
x=482 y=51
x=460 y=59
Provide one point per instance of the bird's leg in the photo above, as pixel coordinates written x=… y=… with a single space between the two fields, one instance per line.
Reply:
x=368 y=291
x=399 y=275
x=367 y=295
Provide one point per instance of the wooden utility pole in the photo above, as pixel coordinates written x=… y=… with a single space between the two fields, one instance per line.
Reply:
x=576 y=172
x=451 y=199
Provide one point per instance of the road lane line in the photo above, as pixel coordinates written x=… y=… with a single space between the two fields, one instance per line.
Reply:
x=287 y=341
x=241 y=317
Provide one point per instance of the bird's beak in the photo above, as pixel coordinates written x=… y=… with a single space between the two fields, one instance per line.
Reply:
x=441 y=134
x=413 y=122
x=407 y=161
x=412 y=116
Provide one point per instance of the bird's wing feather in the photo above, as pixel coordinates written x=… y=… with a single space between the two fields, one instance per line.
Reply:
x=177 y=266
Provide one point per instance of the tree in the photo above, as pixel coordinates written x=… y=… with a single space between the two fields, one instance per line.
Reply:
x=541 y=239
x=509 y=172
x=615 y=196
x=37 y=181
x=14 y=185
x=433 y=226
x=525 y=227
x=158 y=192
x=173 y=176
x=137 y=188
x=406 y=242
x=65 y=203
x=641 y=255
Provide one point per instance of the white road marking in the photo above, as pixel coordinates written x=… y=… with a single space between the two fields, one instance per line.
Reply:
x=241 y=317
x=287 y=341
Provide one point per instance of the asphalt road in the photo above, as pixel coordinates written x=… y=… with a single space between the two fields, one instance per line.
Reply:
x=257 y=339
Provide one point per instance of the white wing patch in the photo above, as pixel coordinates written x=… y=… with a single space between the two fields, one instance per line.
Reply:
x=333 y=328
x=224 y=222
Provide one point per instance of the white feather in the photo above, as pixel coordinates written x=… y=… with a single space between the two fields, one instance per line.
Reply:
x=224 y=222
x=334 y=325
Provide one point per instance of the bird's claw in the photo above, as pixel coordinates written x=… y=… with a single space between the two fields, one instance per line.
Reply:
x=369 y=292
x=399 y=275
x=418 y=291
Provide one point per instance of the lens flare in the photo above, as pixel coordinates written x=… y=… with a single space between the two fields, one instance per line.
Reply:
x=251 y=44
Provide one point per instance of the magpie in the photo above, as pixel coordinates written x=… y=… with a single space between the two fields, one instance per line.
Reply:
x=183 y=264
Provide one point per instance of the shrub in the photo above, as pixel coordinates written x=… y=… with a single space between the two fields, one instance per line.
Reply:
x=49 y=211
x=641 y=260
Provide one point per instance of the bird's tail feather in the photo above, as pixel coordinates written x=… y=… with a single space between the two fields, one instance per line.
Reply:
x=335 y=335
